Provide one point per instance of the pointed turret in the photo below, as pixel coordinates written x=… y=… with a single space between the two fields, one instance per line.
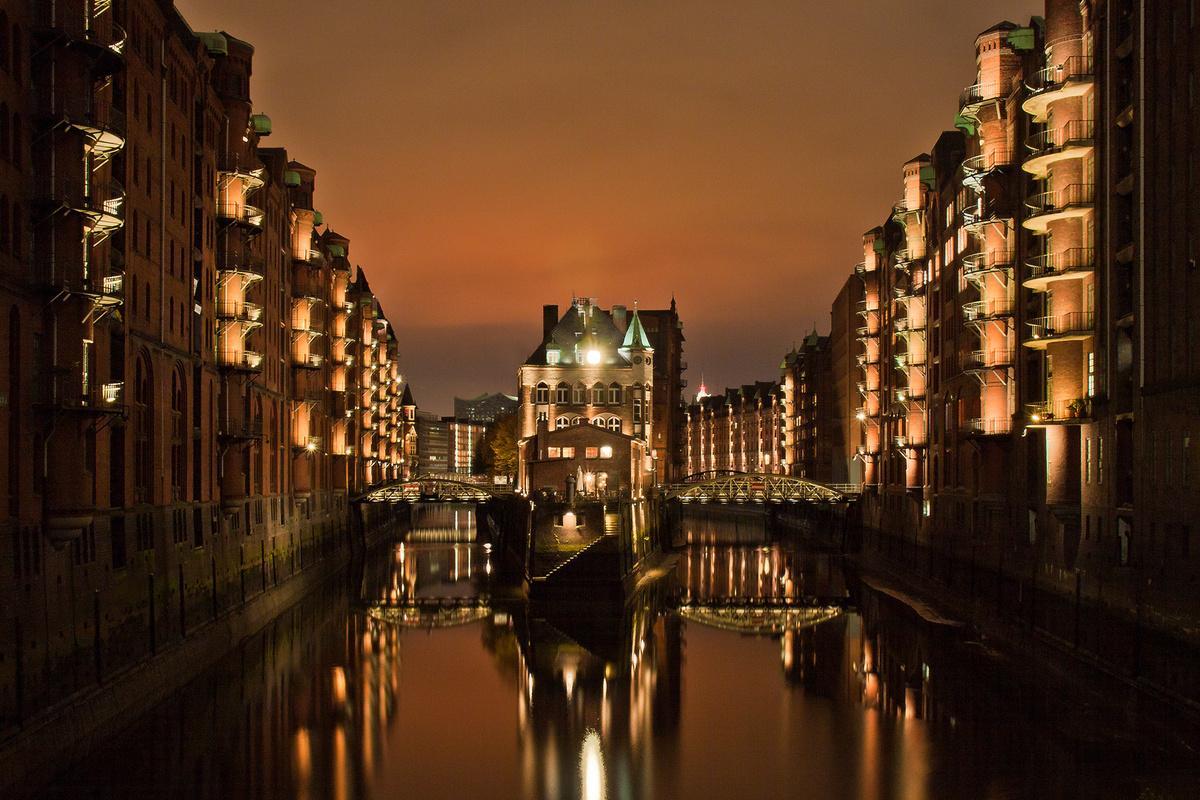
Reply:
x=635 y=336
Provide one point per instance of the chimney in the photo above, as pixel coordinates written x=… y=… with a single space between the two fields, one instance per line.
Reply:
x=619 y=318
x=549 y=320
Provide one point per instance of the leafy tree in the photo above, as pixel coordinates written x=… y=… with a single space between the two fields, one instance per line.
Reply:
x=499 y=447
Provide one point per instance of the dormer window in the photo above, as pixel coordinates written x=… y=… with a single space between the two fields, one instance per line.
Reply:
x=553 y=355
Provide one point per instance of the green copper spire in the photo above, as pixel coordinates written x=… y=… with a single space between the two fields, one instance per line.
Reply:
x=635 y=335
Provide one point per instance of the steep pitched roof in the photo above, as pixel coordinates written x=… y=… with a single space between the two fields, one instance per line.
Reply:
x=406 y=399
x=582 y=326
x=635 y=335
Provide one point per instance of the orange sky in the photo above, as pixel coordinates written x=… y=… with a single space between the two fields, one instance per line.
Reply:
x=486 y=158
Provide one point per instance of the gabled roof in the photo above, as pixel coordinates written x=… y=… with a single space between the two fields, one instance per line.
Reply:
x=406 y=399
x=583 y=326
x=635 y=335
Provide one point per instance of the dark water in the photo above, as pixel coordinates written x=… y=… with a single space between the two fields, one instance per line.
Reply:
x=412 y=680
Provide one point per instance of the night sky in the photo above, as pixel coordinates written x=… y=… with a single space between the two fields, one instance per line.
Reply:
x=486 y=158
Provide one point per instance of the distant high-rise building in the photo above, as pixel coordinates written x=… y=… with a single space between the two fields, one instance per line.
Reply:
x=485 y=407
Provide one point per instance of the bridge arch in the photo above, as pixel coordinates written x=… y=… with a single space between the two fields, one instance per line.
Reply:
x=433 y=488
x=754 y=487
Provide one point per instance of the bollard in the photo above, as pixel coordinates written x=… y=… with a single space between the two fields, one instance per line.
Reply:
x=182 y=606
x=96 y=633
x=153 y=622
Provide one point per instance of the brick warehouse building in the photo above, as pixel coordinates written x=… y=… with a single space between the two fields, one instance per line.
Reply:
x=196 y=376
x=604 y=369
x=1020 y=387
x=742 y=429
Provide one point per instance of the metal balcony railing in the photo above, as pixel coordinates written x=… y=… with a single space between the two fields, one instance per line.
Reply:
x=241 y=213
x=983 y=310
x=241 y=311
x=974 y=96
x=986 y=162
x=1072 y=70
x=1076 y=259
x=1075 y=323
x=308 y=360
x=986 y=427
x=245 y=360
x=1047 y=411
x=982 y=263
x=1076 y=133
x=978 y=360
x=1075 y=195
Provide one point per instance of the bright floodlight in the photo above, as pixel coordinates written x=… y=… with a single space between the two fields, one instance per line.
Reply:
x=593 y=356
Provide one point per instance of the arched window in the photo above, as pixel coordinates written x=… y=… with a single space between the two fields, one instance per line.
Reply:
x=614 y=424
x=562 y=421
x=576 y=420
x=143 y=429
x=562 y=394
x=178 y=439
x=614 y=394
x=541 y=394
x=579 y=396
x=598 y=394
x=597 y=421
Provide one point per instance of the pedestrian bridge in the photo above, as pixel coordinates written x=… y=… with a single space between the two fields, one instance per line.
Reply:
x=753 y=487
x=430 y=612
x=434 y=488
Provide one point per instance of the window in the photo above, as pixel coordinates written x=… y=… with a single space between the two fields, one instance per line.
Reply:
x=614 y=394
x=541 y=394
x=637 y=410
x=579 y=396
x=553 y=356
x=597 y=421
x=562 y=394
x=542 y=416
x=554 y=452
x=1087 y=460
x=592 y=452
x=562 y=421
x=568 y=452
x=1091 y=374
x=614 y=424
x=606 y=452
x=598 y=394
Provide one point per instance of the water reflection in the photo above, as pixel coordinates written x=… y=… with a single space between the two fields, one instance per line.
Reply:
x=754 y=669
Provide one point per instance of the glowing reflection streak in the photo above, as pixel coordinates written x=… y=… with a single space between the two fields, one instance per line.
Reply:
x=759 y=620
x=591 y=767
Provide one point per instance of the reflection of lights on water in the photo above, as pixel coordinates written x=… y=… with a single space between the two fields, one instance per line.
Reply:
x=591 y=767
x=339 y=685
x=301 y=755
x=569 y=679
x=788 y=637
x=487 y=547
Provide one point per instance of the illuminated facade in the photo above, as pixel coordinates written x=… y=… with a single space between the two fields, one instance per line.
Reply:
x=810 y=425
x=177 y=396
x=593 y=368
x=741 y=430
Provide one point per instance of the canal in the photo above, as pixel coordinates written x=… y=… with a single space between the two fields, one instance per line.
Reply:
x=750 y=667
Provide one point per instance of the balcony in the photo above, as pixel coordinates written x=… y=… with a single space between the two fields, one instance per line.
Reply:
x=978 y=361
x=309 y=444
x=96 y=33
x=910 y=441
x=867 y=359
x=1074 y=411
x=867 y=450
x=239 y=311
x=1075 y=326
x=983 y=213
x=864 y=268
x=975 y=97
x=1070 y=202
x=107 y=292
x=977 y=266
x=906 y=361
x=105 y=133
x=243 y=214
x=865 y=332
x=251 y=179
x=1072 y=78
x=241 y=430
x=235 y=360
x=308 y=360
x=310 y=256
x=983 y=428
x=902 y=212
x=99 y=399
x=977 y=167
x=986 y=310
x=906 y=261
x=1041 y=271
x=1073 y=140
x=866 y=309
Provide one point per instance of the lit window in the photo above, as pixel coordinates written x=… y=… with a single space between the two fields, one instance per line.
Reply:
x=541 y=394
x=606 y=452
x=562 y=422
x=568 y=452
x=592 y=452
x=597 y=421
x=614 y=424
x=554 y=452
x=553 y=356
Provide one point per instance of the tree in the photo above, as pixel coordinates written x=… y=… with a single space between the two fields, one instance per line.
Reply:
x=499 y=447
